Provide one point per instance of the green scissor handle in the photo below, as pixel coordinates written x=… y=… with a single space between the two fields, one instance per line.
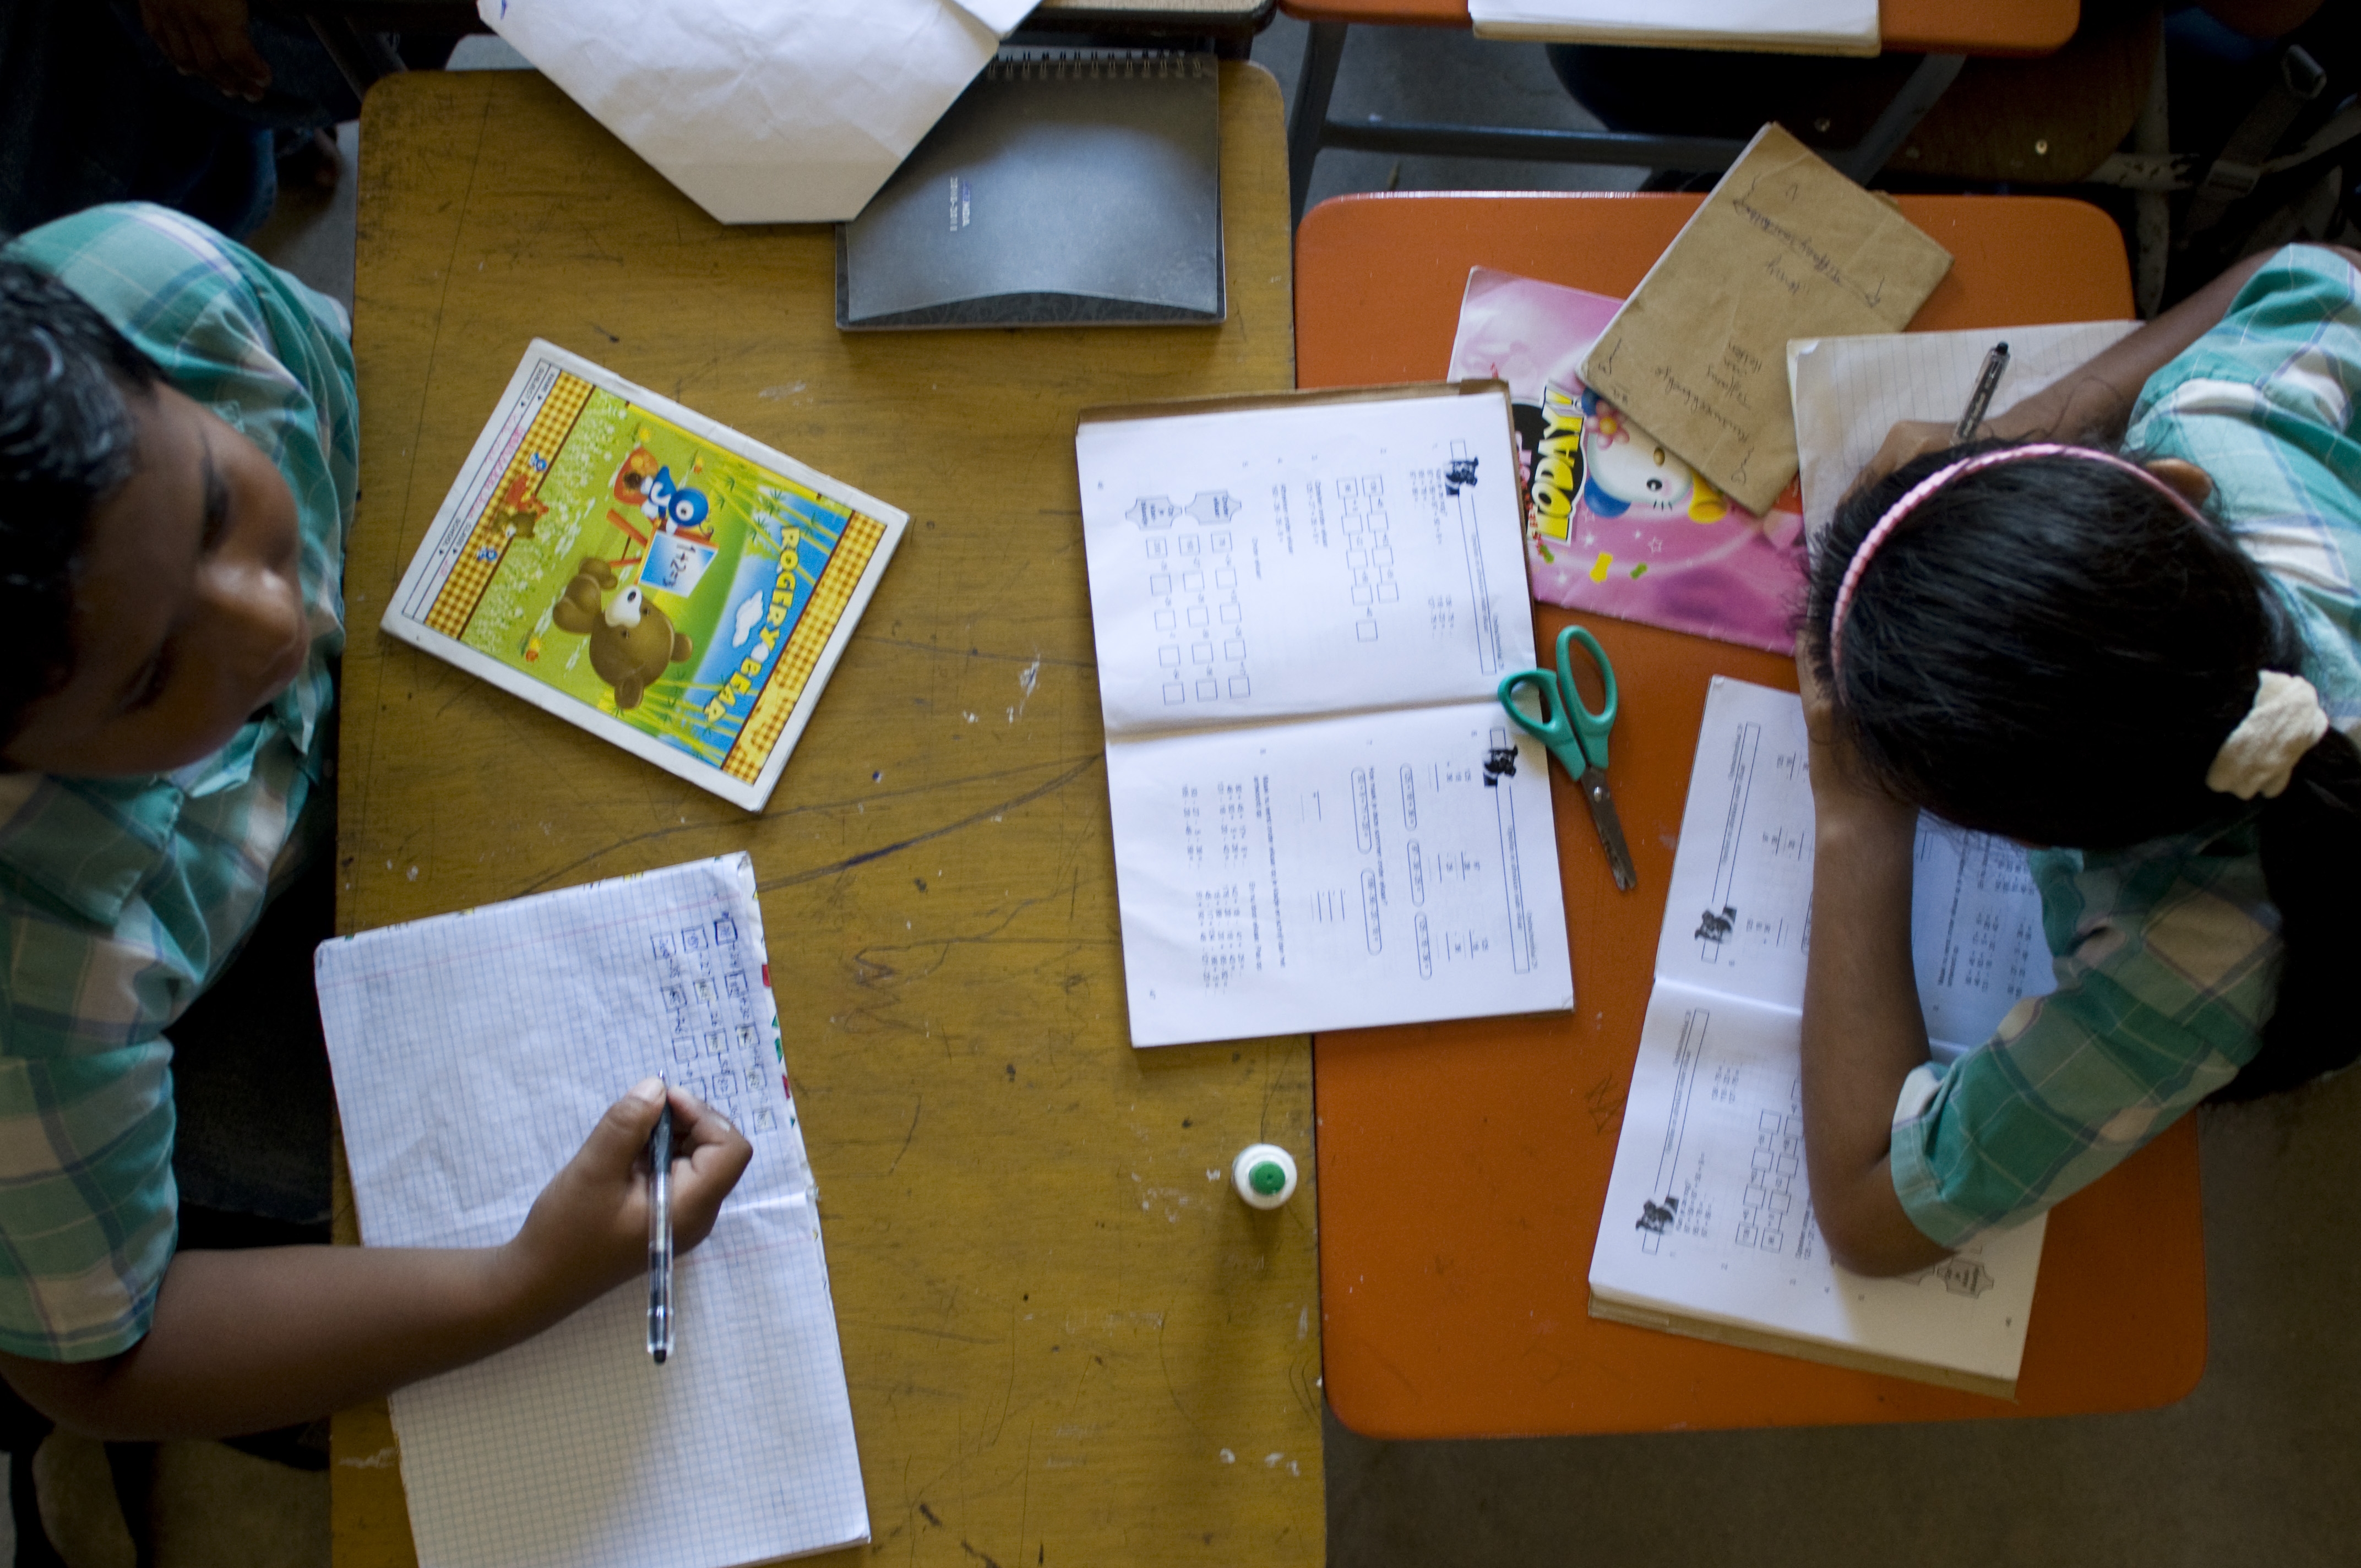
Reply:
x=1566 y=725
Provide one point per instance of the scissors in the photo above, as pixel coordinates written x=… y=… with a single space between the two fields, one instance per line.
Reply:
x=1577 y=738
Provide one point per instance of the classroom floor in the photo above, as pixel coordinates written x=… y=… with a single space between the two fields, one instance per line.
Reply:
x=2250 y=1468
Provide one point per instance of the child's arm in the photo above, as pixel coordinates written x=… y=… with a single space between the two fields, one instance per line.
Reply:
x=244 y=1342
x=1862 y=1028
x=2093 y=404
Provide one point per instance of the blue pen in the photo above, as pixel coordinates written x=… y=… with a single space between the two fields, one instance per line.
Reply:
x=659 y=1235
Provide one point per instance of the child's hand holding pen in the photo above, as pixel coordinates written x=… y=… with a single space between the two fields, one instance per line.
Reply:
x=588 y=1231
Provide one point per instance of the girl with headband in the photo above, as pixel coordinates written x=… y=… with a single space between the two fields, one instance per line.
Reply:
x=2142 y=663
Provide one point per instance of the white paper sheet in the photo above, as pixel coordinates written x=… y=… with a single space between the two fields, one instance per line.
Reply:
x=1303 y=559
x=1387 y=868
x=763 y=113
x=1802 y=27
x=1849 y=391
x=1708 y=1211
x=472 y=1054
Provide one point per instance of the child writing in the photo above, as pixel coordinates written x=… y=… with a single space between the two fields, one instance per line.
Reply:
x=177 y=464
x=2143 y=662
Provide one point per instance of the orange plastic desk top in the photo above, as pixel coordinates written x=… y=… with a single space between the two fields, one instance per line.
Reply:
x=1907 y=27
x=1462 y=1166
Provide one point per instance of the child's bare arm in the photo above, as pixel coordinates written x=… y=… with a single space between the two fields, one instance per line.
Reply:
x=1862 y=1028
x=245 y=1340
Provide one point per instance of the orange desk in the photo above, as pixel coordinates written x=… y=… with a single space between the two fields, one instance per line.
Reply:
x=1904 y=26
x=1462 y=1166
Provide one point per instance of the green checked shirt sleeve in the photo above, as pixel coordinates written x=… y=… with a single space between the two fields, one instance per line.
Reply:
x=2168 y=954
x=122 y=899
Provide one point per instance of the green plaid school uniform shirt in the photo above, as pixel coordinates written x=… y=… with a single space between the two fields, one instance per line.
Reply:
x=122 y=899
x=2166 y=954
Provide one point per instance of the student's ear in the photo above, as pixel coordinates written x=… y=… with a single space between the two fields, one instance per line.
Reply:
x=2194 y=483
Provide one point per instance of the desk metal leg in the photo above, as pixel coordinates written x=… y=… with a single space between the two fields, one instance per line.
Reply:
x=1933 y=78
x=1322 y=55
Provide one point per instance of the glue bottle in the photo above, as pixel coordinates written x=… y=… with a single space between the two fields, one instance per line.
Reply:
x=1264 y=1175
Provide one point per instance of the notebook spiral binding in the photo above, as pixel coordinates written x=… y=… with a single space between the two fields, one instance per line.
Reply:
x=1068 y=65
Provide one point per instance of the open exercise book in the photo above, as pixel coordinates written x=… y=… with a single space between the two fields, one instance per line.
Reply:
x=1323 y=817
x=473 y=1052
x=1708 y=1228
x=638 y=570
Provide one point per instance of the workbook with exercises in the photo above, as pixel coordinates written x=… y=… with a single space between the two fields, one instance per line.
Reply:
x=1066 y=187
x=473 y=1053
x=1785 y=247
x=637 y=569
x=1304 y=604
x=1615 y=522
x=1708 y=1227
x=1851 y=391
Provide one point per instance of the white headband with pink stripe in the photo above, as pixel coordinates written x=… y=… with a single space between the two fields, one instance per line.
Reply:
x=1918 y=493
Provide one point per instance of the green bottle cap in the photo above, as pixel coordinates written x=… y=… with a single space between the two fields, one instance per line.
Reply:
x=1267 y=1177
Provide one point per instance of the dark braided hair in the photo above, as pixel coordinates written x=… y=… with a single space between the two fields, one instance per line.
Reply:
x=67 y=441
x=2052 y=651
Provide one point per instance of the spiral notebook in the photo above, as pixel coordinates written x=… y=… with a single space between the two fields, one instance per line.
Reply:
x=472 y=1053
x=1065 y=187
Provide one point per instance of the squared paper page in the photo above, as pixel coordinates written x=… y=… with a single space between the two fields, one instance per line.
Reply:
x=1385 y=868
x=1738 y=912
x=1301 y=558
x=1807 y=27
x=573 y=1448
x=1709 y=1209
x=1848 y=391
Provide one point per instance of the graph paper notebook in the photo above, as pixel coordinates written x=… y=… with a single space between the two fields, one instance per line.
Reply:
x=1849 y=391
x=1304 y=604
x=636 y=569
x=574 y=1450
x=1708 y=1228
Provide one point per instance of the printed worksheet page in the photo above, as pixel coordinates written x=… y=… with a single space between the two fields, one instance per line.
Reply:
x=1300 y=558
x=1709 y=1209
x=1738 y=918
x=1383 y=867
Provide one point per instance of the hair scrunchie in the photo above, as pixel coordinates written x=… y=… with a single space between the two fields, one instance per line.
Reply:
x=2260 y=756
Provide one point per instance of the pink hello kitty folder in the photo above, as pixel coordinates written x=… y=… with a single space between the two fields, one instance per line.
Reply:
x=1615 y=523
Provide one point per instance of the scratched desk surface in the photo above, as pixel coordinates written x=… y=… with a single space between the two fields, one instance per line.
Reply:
x=1067 y=1341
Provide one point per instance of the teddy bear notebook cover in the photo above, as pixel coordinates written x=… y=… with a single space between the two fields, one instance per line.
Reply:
x=473 y=1053
x=637 y=569
x=1615 y=522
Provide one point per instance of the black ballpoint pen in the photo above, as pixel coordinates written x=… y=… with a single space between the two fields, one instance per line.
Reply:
x=1987 y=382
x=660 y=1236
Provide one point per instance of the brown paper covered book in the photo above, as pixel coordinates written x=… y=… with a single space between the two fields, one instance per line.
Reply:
x=1785 y=247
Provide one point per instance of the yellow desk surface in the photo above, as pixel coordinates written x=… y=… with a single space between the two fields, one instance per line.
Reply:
x=1066 y=1341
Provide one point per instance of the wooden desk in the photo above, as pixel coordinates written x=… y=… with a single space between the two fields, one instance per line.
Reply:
x=1462 y=1167
x=1066 y=1341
